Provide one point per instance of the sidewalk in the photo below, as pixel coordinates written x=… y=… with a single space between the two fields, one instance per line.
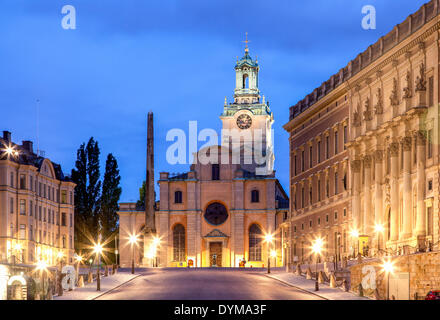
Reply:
x=88 y=292
x=309 y=285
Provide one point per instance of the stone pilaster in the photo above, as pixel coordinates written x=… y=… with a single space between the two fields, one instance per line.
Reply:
x=420 y=230
x=407 y=228
x=356 y=171
x=394 y=152
x=366 y=221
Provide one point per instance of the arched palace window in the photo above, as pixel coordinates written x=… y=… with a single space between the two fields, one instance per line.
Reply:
x=255 y=243
x=179 y=243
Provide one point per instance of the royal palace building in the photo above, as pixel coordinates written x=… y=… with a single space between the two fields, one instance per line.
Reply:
x=36 y=207
x=218 y=213
x=364 y=148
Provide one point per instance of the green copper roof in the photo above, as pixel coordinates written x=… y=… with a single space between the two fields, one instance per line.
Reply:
x=246 y=60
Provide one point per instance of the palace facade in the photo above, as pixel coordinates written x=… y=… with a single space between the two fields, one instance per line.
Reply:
x=36 y=207
x=383 y=109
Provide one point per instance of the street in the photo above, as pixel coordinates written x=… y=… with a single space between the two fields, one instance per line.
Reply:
x=206 y=284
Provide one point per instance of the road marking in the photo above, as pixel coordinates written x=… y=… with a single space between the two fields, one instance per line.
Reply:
x=108 y=291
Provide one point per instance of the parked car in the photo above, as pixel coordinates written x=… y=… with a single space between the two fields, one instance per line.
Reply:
x=433 y=295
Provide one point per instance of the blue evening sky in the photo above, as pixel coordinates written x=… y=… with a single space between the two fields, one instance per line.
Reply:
x=173 y=57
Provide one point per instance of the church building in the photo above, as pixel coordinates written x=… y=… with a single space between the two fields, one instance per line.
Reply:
x=218 y=213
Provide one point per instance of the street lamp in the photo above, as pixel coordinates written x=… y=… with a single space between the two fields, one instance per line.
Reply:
x=378 y=228
x=316 y=249
x=269 y=240
x=133 y=240
x=388 y=268
x=355 y=234
x=42 y=266
x=78 y=259
x=98 y=250
x=156 y=244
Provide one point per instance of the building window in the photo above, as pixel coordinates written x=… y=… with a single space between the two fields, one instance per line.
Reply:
x=302 y=161
x=31 y=208
x=310 y=223
x=64 y=242
x=11 y=205
x=63 y=219
x=255 y=196
x=23 y=207
x=255 y=243
x=294 y=166
x=310 y=157
x=319 y=221
x=430 y=185
x=345 y=136
x=429 y=223
x=12 y=179
x=31 y=233
x=22 y=181
x=431 y=91
x=327 y=188
x=336 y=215
x=44 y=214
x=215 y=172
x=58 y=218
x=326 y=218
x=310 y=193
x=336 y=183
x=302 y=197
x=22 y=231
x=39 y=213
x=31 y=183
x=429 y=138
x=179 y=243
x=336 y=142
x=345 y=212
x=319 y=151
x=71 y=220
x=63 y=196
x=178 y=197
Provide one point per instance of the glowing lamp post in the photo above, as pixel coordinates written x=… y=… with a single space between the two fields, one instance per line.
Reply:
x=156 y=243
x=78 y=261
x=316 y=249
x=269 y=240
x=98 y=250
x=378 y=228
x=388 y=268
x=355 y=235
x=42 y=267
x=133 y=240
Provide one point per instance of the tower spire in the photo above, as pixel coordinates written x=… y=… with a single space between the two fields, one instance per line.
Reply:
x=246 y=48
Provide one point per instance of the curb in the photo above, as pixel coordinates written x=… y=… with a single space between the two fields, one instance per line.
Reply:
x=110 y=290
x=301 y=289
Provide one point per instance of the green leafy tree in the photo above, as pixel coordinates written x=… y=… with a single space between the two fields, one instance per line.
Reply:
x=111 y=192
x=141 y=201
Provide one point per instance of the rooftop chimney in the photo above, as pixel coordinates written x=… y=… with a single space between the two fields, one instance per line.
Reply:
x=7 y=136
x=29 y=146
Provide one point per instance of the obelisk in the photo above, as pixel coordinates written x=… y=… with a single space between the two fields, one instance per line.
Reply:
x=149 y=185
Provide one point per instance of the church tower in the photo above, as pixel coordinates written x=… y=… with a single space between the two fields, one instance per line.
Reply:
x=249 y=116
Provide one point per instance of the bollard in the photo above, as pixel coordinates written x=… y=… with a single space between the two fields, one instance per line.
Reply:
x=81 y=281
x=332 y=281
x=309 y=274
x=90 y=277
x=106 y=271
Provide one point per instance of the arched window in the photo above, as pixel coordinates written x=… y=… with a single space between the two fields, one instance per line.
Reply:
x=245 y=81
x=255 y=196
x=255 y=243
x=179 y=243
x=178 y=197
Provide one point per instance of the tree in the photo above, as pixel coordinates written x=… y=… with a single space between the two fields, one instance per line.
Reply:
x=94 y=185
x=141 y=201
x=111 y=192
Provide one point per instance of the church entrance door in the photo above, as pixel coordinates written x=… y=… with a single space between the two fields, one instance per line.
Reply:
x=215 y=254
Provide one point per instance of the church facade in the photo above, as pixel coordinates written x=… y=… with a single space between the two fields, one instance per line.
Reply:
x=218 y=213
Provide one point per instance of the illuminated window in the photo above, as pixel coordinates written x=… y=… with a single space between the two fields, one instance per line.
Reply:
x=179 y=243
x=255 y=243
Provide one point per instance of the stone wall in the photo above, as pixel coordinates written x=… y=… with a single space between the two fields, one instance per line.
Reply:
x=423 y=270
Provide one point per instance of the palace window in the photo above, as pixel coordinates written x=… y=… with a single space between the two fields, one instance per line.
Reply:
x=178 y=197
x=31 y=208
x=11 y=207
x=294 y=166
x=345 y=136
x=22 y=231
x=63 y=219
x=12 y=179
x=22 y=181
x=319 y=151
x=429 y=142
x=23 y=207
x=302 y=161
x=336 y=142
x=63 y=196
x=215 y=171
x=179 y=243
x=310 y=194
x=319 y=190
x=64 y=242
x=431 y=91
x=310 y=157
x=255 y=196
x=255 y=243
x=327 y=147
x=336 y=183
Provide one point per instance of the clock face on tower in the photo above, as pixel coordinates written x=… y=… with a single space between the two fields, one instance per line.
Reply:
x=244 y=121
